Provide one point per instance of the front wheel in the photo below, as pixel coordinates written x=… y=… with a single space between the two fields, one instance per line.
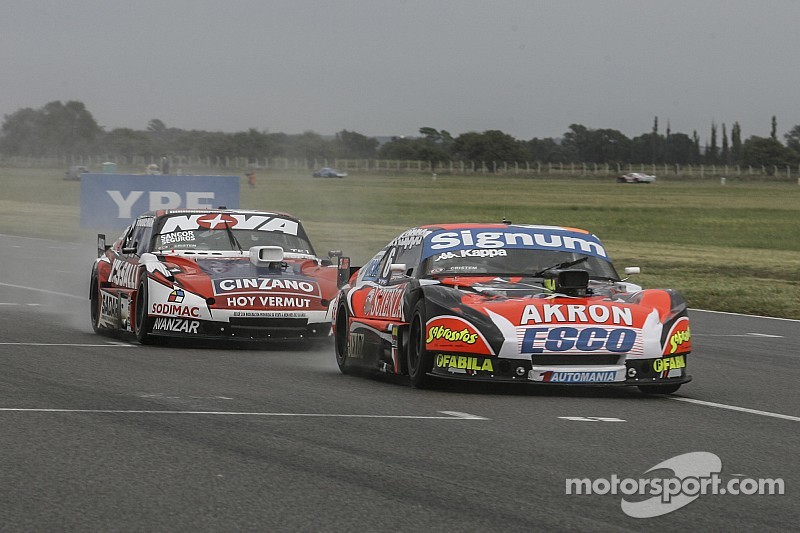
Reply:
x=144 y=324
x=342 y=337
x=659 y=389
x=419 y=359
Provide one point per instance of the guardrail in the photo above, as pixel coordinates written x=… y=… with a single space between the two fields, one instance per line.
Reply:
x=192 y=164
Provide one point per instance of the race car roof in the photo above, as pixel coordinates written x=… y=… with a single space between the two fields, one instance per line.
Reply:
x=166 y=212
x=468 y=225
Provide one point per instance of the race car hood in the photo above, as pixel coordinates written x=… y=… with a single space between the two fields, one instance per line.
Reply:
x=510 y=318
x=237 y=282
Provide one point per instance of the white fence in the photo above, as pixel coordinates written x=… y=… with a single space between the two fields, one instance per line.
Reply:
x=181 y=163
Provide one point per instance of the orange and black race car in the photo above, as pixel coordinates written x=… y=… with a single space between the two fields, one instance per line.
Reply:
x=509 y=303
x=232 y=274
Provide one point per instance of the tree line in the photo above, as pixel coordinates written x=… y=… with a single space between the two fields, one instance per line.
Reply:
x=64 y=129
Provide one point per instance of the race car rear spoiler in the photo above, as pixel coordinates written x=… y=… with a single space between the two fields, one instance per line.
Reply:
x=101 y=244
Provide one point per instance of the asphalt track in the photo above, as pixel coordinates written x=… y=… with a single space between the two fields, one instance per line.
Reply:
x=98 y=433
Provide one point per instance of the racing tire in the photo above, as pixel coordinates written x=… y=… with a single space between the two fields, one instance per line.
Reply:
x=144 y=324
x=94 y=304
x=419 y=360
x=659 y=389
x=341 y=340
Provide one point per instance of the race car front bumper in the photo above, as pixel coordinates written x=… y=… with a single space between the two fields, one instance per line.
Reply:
x=629 y=373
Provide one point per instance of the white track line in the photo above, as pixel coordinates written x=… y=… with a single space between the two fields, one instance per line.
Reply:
x=450 y=415
x=742 y=314
x=80 y=345
x=733 y=408
x=44 y=291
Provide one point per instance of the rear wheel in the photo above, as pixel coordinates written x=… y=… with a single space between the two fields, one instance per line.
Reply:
x=144 y=324
x=342 y=336
x=419 y=359
x=94 y=304
x=659 y=389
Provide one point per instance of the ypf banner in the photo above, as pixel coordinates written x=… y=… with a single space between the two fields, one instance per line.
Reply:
x=112 y=201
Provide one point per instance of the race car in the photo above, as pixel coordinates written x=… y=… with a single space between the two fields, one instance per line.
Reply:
x=215 y=273
x=509 y=303
x=636 y=177
x=328 y=172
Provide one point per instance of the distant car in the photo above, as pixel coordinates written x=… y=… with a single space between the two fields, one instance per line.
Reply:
x=636 y=177
x=75 y=171
x=329 y=173
x=509 y=303
x=216 y=273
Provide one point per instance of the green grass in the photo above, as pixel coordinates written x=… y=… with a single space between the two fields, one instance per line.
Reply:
x=729 y=248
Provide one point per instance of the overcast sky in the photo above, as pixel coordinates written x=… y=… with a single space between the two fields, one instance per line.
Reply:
x=526 y=67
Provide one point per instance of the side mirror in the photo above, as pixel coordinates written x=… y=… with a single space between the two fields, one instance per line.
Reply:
x=632 y=270
x=397 y=269
x=343 y=271
x=335 y=253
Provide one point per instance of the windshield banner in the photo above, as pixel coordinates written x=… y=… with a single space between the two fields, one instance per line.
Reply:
x=526 y=237
x=112 y=201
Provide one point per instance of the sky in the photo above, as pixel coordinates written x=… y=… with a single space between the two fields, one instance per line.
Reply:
x=529 y=68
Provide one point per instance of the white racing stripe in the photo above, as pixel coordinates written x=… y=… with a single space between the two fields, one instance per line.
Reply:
x=449 y=415
x=734 y=408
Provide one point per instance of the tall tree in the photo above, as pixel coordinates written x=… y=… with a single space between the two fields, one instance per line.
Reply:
x=774 y=132
x=55 y=129
x=769 y=152
x=695 y=148
x=725 y=154
x=354 y=145
x=491 y=146
x=712 y=152
x=793 y=139
x=736 y=142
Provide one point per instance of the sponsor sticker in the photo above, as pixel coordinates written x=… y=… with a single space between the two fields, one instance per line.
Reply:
x=452 y=333
x=410 y=238
x=177 y=237
x=665 y=364
x=355 y=345
x=173 y=309
x=274 y=285
x=579 y=340
x=577 y=313
x=176 y=325
x=123 y=274
x=270 y=314
x=680 y=338
x=177 y=295
x=268 y=301
x=464 y=363
x=443 y=332
x=384 y=303
x=532 y=237
x=470 y=253
x=238 y=221
x=551 y=376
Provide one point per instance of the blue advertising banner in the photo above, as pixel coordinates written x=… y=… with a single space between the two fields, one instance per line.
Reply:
x=112 y=201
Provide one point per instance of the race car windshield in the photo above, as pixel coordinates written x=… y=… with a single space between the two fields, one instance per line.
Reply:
x=220 y=240
x=513 y=262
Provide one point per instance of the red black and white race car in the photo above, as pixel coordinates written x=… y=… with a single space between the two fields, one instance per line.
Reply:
x=509 y=303
x=232 y=274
